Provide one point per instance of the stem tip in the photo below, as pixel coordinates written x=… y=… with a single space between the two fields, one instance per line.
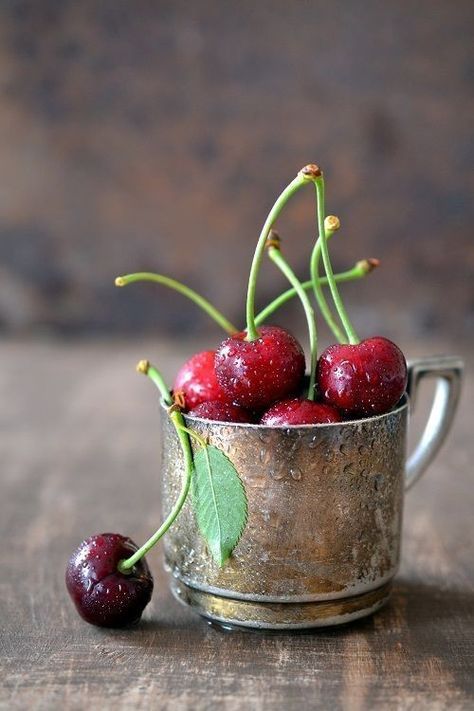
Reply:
x=143 y=366
x=273 y=240
x=332 y=223
x=368 y=265
x=120 y=281
x=311 y=171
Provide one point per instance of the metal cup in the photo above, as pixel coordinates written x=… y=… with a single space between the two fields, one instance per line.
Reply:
x=322 y=542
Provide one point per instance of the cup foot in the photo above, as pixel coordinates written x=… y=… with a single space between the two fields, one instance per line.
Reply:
x=280 y=616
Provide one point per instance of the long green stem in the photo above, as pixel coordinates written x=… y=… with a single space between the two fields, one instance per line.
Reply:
x=317 y=285
x=126 y=565
x=304 y=176
x=196 y=298
x=278 y=259
x=358 y=271
x=338 y=303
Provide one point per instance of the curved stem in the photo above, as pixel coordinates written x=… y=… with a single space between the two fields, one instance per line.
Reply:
x=196 y=298
x=127 y=564
x=338 y=303
x=278 y=259
x=300 y=180
x=145 y=367
x=317 y=287
x=358 y=271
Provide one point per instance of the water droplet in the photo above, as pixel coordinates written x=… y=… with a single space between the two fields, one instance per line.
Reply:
x=278 y=474
x=296 y=473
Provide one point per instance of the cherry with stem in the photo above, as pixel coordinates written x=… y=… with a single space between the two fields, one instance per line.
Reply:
x=359 y=377
x=258 y=367
x=107 y=576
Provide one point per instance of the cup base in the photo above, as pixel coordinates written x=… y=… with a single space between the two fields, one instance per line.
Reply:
x=280 y=616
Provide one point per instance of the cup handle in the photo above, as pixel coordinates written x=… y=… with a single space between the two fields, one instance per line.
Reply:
x=448 y=373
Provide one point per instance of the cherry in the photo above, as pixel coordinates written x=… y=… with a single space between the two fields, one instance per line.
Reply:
x=197 y=380
x=299 y=411
x=102 y=595
x=367 y=378
x=221 y=411
x=254 y=374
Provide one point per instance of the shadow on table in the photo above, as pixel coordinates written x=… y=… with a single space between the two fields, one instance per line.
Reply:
x=426 y=608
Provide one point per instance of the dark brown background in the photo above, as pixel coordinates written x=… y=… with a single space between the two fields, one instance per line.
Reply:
x=155 y=135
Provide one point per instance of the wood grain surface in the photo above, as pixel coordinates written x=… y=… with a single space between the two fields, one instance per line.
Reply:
x=80 y=454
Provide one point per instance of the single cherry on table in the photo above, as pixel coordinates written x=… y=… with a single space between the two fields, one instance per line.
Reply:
x=102 y=594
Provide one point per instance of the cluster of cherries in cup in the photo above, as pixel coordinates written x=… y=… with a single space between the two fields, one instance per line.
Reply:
x=261 y=381
x=242 y=381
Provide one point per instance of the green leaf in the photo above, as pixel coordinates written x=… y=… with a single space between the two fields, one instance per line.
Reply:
x=219 y=501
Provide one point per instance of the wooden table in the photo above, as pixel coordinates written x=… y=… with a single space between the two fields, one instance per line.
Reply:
x=80 y=454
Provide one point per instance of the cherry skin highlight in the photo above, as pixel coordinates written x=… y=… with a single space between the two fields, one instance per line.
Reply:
x=221 y=411
x=299 y=411
x=102 y=595
x=255 y=374
x=197 y=380
x=365 y=379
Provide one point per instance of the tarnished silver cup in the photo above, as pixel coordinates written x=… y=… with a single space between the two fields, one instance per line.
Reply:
x=325 y=502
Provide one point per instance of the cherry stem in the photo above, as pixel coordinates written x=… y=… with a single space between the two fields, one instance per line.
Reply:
x=305 y=175
x=338 y=303
x=277 y=258
x=155 y=376
x=358 y=271
x=196 y=298
x=331 y=224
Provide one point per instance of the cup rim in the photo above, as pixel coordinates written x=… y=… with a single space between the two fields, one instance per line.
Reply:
x=402 y=405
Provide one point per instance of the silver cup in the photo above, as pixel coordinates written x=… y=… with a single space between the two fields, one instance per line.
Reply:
x=322 y=542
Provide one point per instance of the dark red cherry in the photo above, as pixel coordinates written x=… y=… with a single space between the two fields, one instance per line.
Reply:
x=299 y=411
x=197 y=380
x=254 y=374
x=102 y=595
x=364 y=379
x=221 y=411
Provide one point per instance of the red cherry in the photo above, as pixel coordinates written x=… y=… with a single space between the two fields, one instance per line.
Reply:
x=364 y=379
x=221 y=411
x=254 y=374
x=197 y=380
x=102 y=595
x=299 y=411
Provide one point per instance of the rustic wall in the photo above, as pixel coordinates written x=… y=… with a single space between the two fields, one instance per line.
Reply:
x=155 y=135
